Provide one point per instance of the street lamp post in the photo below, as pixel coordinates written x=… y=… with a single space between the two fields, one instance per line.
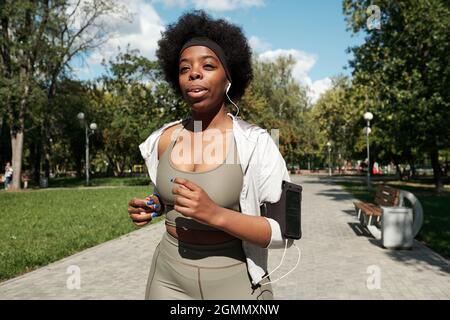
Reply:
x=368 y=116
x=280 y=109
x=88 y=131
x=329 y=158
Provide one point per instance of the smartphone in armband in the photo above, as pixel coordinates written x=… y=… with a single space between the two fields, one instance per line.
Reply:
x=287 y=211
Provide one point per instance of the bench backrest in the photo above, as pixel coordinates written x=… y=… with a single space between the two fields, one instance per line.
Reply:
x=387 y=196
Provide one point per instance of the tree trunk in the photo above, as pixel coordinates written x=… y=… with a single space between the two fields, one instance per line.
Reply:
x=47 y=165
x=413 y=170
x=37 y=163
x=17 y=153
x=118 y=172
x=79 y=167
x=1 y=126
x=399 y=172
x=437 y=173
x=46 y=146
x=17 y=136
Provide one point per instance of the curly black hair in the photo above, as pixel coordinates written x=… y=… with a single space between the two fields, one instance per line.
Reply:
x=228 y=36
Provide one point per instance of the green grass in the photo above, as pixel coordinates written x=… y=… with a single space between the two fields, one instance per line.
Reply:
x=97 y=182
x=38 y=227
x=435 y=232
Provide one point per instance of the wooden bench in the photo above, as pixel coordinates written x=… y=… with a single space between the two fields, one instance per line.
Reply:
x=385 y=196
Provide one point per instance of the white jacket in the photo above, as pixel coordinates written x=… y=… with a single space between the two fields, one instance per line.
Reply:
x=264 y=170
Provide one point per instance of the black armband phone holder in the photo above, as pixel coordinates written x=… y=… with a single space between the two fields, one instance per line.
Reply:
x=287 y=211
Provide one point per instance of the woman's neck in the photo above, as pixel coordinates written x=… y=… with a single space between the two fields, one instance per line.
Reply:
x=217 y=119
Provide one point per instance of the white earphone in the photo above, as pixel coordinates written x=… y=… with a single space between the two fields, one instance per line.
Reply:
x=226 y=92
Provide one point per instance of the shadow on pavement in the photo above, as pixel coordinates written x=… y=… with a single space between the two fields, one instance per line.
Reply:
x=420 y=257
x=359 y=230
x=350 y=212
x=337 y=195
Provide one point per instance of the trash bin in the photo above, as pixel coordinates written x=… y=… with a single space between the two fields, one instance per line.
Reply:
x=43 y=182
x=397 y=228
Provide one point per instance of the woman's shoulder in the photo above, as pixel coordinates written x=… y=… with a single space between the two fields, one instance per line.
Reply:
x=168 y=128
x=148 y=146
x=166 y=137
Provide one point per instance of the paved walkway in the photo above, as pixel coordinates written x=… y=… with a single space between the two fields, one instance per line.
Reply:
x=337 y=262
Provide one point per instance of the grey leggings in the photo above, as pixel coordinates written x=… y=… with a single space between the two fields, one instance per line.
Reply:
x=182 y=271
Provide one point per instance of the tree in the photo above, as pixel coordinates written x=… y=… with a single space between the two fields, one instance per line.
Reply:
x=78 y=30
x=274 y=100
x=337 y=117
x=67 y=135
x=130 y=102
x=38 y=38
x=404 y=68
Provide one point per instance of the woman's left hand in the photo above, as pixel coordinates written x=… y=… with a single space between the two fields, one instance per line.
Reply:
x=192 y=201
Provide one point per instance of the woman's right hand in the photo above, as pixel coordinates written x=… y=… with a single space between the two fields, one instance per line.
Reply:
x=140 y=212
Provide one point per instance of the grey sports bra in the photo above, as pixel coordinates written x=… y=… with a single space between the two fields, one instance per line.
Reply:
x=223 y=185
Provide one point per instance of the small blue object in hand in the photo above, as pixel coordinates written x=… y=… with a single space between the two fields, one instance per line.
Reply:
x=156 y=206
x=155 y=214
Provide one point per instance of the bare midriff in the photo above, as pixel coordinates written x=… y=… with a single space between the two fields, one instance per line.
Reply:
x=201 y=237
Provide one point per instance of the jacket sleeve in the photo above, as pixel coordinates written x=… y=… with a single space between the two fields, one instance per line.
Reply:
x=272 y=171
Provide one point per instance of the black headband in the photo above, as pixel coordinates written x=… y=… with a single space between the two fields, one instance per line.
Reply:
x=205 y=42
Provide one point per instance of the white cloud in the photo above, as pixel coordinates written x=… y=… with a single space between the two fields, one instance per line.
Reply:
x=173 y=3
x=144 y=31
x=304 y=62
x=213 y=5
x=226 y=5
x=141 y=31
x=318 y=88
x=258 y=44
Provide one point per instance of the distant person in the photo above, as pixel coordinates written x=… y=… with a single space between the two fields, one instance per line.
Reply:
x=376 y=168
x=408 y=171
x=8 y=175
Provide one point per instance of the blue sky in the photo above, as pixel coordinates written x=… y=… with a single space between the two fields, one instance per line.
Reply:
x=313 y=32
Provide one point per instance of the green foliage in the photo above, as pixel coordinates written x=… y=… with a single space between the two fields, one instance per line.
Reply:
x=274 y=100
x=63 y=126
x=337 y=119
x=38 y=39
x=402 y=75
x=129 y=103
x=99 y=182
